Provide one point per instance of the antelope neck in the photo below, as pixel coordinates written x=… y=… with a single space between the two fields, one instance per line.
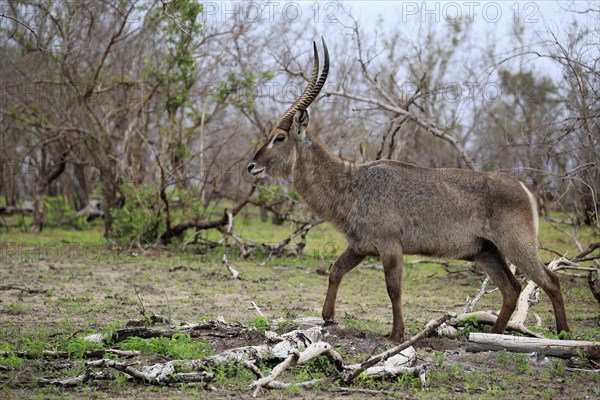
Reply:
x=321 y=177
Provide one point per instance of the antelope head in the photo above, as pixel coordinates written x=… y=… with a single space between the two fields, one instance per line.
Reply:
x=277 y=157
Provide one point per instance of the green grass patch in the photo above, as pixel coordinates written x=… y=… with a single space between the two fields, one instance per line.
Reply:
x=180 y=346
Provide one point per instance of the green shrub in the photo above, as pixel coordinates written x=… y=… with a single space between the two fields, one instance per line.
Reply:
x=11 y=361
x=469 y=325
x=57 y=212
x=76 y=347
x=261 y=323
x=139 y=221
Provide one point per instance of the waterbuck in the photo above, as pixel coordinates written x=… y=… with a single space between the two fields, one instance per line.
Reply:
x=389 y=208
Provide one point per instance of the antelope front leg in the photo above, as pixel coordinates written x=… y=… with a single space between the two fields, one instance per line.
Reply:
x=392 y=267
x=348 y=260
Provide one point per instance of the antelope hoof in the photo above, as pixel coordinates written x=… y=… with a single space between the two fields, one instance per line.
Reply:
x=496 y=330
x=397 y=337
x=329 y=322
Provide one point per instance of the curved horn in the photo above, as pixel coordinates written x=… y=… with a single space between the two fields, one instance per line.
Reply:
x=303 y=103
x=286 y=119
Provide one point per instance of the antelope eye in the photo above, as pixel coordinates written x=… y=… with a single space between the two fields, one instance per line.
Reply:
x=279 y=138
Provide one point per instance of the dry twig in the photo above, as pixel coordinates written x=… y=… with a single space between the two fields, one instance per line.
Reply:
x=234 y=273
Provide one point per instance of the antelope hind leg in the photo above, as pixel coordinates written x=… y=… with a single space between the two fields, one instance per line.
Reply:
x=392 y=267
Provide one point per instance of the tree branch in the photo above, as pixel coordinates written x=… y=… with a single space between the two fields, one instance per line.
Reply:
x=428 y=126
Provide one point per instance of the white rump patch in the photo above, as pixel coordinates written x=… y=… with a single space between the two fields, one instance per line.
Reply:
x=534 y=207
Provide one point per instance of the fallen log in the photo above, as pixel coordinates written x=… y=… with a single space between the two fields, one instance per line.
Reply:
x=77 y=380
x=157 y=374
x=277 y=347
x=65 y=354
x=487 y=318
x=218 y=327
x=519 y=344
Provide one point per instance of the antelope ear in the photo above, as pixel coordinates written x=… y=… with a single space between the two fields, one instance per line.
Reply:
x=300 y=123
x=268 y=128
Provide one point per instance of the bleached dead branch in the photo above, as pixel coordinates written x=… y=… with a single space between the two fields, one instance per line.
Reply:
x=294 y=348
x=234 y=273
x=519 y=344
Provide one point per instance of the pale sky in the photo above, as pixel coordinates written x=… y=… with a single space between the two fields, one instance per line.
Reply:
x=492 y=21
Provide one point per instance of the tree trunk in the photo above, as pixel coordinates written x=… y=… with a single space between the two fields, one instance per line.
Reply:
x=79 y=186
x=263 y=214
x=9 y=173
x=39 y=215
x=42 y=182
x=113 y=199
